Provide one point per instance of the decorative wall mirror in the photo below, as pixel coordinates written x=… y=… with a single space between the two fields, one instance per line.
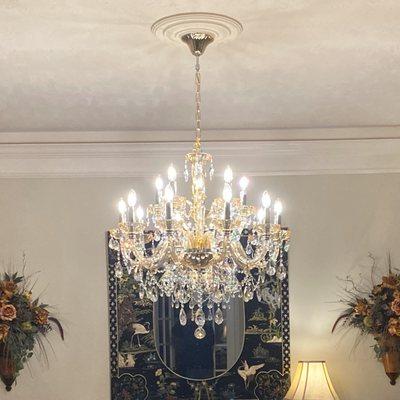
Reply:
x=245 y=357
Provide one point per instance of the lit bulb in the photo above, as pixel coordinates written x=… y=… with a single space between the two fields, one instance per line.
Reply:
x=266 y=199
x=171 y=173
x=199 y=182
x=278 y=207
x=122 y=206
x=243 y=183
x=159 y=183
x=132 y=198
x=169 y=194
x=261 y=215
x=227 y=194
x=228 y=175
x=139 y=213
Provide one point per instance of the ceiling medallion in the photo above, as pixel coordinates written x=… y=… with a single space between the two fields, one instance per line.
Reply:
x=174 y=27
x=200 y=255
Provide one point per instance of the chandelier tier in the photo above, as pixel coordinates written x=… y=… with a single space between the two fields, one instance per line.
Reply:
x=200 y=257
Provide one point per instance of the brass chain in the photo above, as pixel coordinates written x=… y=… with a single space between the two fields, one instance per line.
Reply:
x=198 y=104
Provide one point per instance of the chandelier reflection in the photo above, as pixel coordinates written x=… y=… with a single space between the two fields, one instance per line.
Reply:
x=200 y=256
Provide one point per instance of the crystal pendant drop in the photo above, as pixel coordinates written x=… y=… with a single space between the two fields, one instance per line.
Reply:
x=118 y=270
x=113 y=244
x=157 y=237
x=281 y=274
x=186 y=173
x=248 y=294
x=211 y=172
x=200 y=318
x=271 y=270
x=218 y=318
x=199 y=333
x=182 y=317
x=209 y=316
x=249 y=250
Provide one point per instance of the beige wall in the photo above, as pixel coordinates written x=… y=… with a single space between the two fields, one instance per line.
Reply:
x=60 y=224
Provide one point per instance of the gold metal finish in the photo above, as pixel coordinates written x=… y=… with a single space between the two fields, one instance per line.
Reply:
x=197 y=42
x=182 y=249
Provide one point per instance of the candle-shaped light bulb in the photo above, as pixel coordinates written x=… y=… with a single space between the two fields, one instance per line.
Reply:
x=159 y=186
x=140 y=213
x=227 y=194
x=122 y=209
x=278 y=208
x=228 y=175
x=243 y=183
x=132 y=198
x=266 y=199
x=261 y=215
x=171 y=173
x=159 y=183
x=169 y=194
x=199 y=182
x=169 y=197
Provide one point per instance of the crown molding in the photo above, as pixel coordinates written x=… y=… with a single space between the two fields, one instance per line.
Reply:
x=220 y=135
x=256 y=153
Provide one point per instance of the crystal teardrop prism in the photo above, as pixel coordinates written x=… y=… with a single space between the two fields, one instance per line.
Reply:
x=182 y=317
x=271 y=270
x=199 y=333
x=248 y=294
x=113 y=244
x=200 y=318
x=118 y=273
x=249 y=250
x=281 y=273
x=218 y=318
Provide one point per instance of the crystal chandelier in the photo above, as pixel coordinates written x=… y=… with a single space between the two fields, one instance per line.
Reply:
x=200 y=257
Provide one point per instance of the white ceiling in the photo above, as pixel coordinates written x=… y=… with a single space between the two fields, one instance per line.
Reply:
x=84 y=65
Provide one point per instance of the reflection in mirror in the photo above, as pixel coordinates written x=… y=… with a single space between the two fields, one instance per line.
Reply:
x=194 y=358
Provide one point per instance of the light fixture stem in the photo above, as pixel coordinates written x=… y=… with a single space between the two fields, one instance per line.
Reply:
x=197 y=145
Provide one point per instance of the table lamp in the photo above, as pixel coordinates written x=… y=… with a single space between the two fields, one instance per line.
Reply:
x=311 y=382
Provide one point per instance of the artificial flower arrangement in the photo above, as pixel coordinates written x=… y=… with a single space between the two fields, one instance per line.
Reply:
x=24 y=323
x=376 y=311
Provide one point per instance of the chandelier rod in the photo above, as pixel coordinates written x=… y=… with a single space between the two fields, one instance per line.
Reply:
x=197 y=145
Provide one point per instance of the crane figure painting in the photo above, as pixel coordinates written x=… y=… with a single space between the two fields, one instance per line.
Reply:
x=138 y=372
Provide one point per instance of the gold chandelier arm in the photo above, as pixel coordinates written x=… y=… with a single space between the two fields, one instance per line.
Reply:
x=149 y=261
x=240 y=257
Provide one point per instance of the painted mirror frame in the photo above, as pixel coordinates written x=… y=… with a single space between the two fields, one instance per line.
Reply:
x=137 y=372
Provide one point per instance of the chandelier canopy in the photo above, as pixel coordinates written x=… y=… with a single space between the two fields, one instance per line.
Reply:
x=200 y=256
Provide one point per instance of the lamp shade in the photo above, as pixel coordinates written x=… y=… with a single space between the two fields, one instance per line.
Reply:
x=311 y=382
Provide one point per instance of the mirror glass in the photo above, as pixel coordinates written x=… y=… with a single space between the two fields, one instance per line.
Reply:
x=193 y=358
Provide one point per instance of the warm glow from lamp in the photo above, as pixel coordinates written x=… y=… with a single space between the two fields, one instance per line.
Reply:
x=311 y=382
